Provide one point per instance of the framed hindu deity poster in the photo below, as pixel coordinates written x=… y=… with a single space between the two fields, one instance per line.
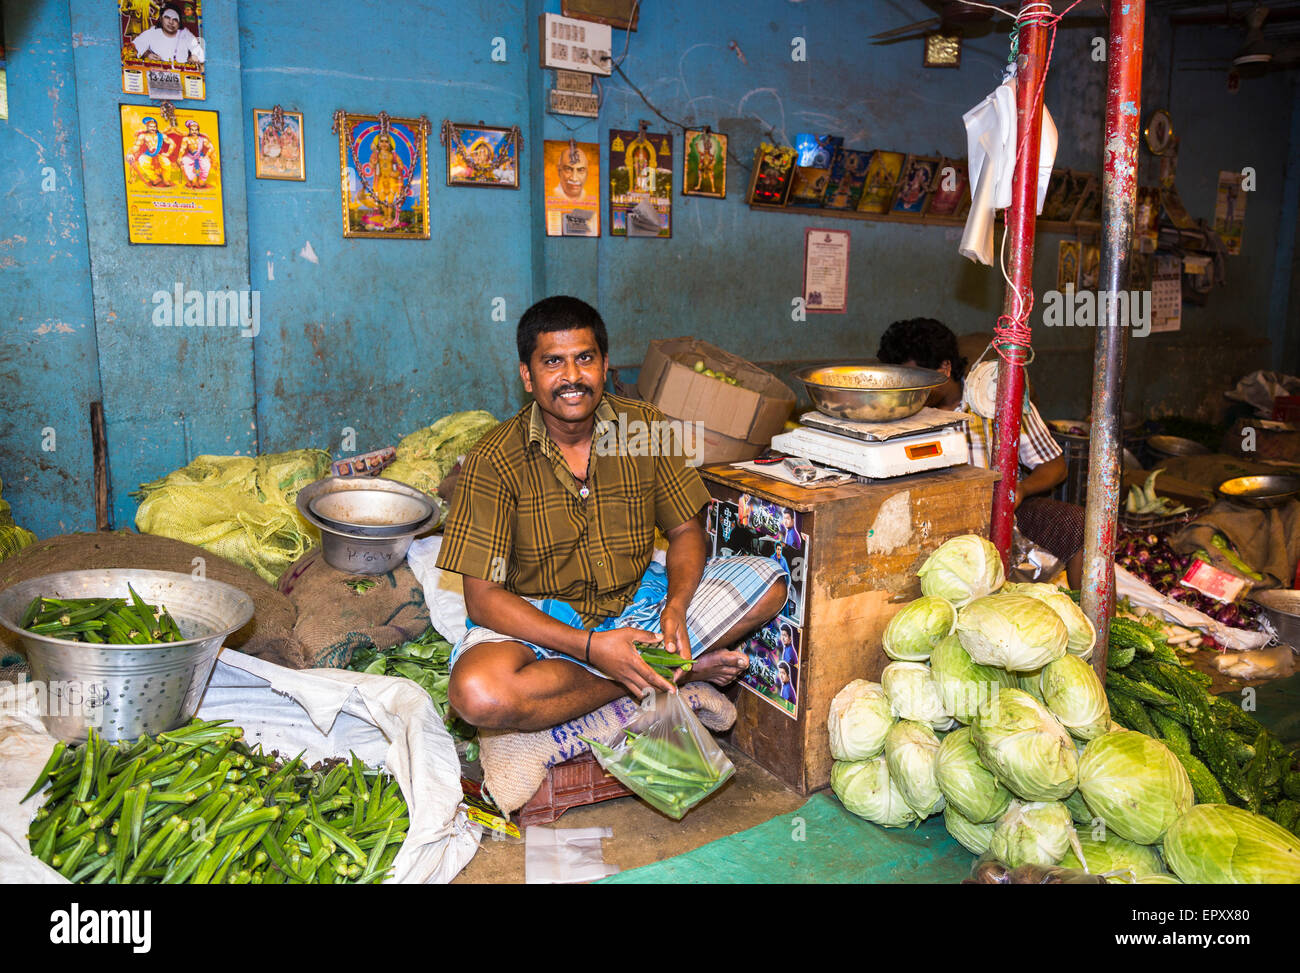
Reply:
x=278 y=152
x=383 y=173
x=172 y=164
x=704 y=163
x=162 y=48
x=478 y=155
x=640 y=184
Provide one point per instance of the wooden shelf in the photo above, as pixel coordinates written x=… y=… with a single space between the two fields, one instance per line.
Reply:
x=813 y=212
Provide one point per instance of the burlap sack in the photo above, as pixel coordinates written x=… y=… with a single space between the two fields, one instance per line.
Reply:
x=334 y=620
x=515 y=764
x=269 y=635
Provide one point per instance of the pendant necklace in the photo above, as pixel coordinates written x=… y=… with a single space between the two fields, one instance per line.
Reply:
x=583 y=490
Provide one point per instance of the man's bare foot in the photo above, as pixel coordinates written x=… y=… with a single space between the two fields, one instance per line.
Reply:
x=718 y=666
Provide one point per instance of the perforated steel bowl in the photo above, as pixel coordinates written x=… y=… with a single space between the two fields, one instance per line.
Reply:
x=124 y=691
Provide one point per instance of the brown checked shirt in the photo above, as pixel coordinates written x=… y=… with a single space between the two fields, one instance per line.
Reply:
x=517 y=517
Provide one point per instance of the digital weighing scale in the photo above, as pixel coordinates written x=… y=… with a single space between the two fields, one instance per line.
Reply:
x=930 y=440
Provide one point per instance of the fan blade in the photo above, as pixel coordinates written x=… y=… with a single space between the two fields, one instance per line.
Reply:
x=920 y=25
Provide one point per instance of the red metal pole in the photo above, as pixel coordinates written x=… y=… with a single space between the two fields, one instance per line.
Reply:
x=1031 y=69
x=1119 y=201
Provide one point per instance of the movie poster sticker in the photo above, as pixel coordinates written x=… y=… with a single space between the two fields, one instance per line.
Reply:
x=572 y=188
x=757 y=528
x=640 y=184
x=172 y=165
x=1230 y=211
x=162 y=49
x=775 y=667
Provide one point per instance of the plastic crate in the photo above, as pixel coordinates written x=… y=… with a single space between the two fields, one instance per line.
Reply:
x=1074 y=488
x=1154 y=523
x=1286 y=408
x=574 y=783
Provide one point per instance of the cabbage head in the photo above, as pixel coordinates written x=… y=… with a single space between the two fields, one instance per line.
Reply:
x=1013 y=632
x=962 y=569
x=914 y=695
x=967 y=785
x=1076 y=697
x=1081 y=636
x=860 y=717
x=973 y=837
x=1114 y=854
x=963 y=684
x=865 y=789
x=913 y=632
x=1222 y=845
x=1135 y=784
x=1027 y=750
x=912 y=755
x=1037 y=833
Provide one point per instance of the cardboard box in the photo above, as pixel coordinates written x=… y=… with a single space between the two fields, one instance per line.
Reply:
x=739 y=420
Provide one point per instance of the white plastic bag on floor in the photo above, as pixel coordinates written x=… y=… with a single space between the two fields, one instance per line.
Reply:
x=443 y=590
x=326 y=712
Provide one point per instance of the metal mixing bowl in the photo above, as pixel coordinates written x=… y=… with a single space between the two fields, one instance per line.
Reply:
x=370 y=507
x=1260 y=491
x=362 y=548
x=868 y=391
x=1282 y=608
x=124 y=691
x=1176 y=446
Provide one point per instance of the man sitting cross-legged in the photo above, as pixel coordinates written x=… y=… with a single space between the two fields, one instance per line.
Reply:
x=553 y=530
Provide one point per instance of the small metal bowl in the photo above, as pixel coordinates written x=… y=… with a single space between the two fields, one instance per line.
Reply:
x=1282 y=608
x=361 y=548
x=370 y=507
x=1260 y=491
x=868 y=391
x=1168 y=446
x=126 y=690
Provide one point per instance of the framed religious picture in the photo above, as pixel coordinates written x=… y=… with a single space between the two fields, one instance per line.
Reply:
x=384 y=169
x=481 y=156
x=1067 y=265
x=572 y=176
x=951 y=189
x=704 y=169
x=914 y=186
x=769 y=182
x=162 y=52
x=882 y=178
x=172 y=163
x=812 y=173
x=1089 y=267
x=640 y=184
x=1089 y=208
x=1062 y=197
x=278 y=151
x=1230 y=210
x=848 y=177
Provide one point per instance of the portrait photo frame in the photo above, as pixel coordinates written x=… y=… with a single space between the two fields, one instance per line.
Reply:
x=278 y=149
x=704 y=161
x=483 y=156
x=383 y=174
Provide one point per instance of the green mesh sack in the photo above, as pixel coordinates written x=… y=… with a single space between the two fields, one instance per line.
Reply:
x=427 y=455
x=240 y=507
x=12 y=537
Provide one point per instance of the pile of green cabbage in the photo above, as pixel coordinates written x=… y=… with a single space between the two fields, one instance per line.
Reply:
x=1031 y=769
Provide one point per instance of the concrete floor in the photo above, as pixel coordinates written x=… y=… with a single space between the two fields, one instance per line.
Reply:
x=642 y=835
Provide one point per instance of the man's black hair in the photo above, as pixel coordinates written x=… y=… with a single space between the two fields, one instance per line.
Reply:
x=925 y=341
x=787 y=630
x=558 y=314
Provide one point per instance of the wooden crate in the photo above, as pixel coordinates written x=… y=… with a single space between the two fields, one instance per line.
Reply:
x=866 y=543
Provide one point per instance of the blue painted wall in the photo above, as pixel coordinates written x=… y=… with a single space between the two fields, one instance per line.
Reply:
x=383 y=336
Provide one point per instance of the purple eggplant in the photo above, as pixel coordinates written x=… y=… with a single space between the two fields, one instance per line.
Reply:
x=1144 y=557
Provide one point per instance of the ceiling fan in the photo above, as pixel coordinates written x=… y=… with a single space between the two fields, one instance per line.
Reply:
x=954 y=17
x=1258 y=54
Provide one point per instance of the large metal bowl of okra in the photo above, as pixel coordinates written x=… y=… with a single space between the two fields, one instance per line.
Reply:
x=126 y=651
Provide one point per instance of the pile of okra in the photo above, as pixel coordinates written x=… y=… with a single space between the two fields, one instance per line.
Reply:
x=672 y=777
x=198 y=805
x=112 y=621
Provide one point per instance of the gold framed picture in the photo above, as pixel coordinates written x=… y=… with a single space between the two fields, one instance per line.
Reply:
x=572 y=188
x=383 y=171
x=278 y=148
x=705 y=165
x=882 y=178
x=480 y=155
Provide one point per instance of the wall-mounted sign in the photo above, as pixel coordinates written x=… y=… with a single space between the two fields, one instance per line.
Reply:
x=575 y=45
x=573 y=81
x=825 y=271
x=172 y=161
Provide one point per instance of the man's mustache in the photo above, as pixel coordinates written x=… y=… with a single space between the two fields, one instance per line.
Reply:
x=572 y=388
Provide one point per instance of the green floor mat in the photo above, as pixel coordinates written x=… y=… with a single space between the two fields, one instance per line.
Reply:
x=820 y=843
